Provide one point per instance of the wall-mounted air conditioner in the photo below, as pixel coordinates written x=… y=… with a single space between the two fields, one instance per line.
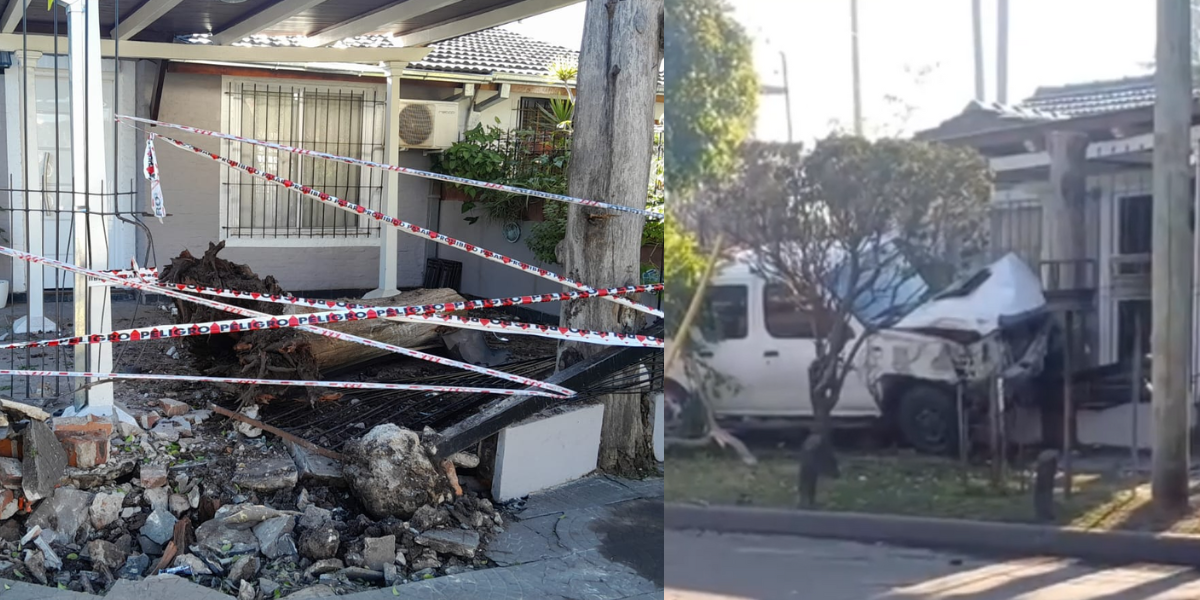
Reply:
x=428 y=125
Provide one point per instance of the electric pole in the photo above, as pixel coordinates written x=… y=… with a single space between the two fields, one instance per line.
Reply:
x=787 y=95
x=1002 y=51
x=977 y=35
x=1171 y=259
x=855 y=72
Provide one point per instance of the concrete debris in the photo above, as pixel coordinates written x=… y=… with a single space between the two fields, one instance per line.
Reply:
x=314 y=516
x=244 y=569
x=10 y=473
x=267 y=587
x=220 y=539
x=323 y=566
x=465 y=460
x=178 y=504
x=267 y=475
x=22 y=410
x=106 y=508
x=135 y=566
x=315 y=591
x=247 y=429
x=173 y=408
x=246 y=516
x=246 y=591
x=153 y=476
x=166 y=431
x=429 y=517
x=157 y=498
x=193 y=563
x=106 y=553
x=35 y=563
x=427 y=559
x=62 y=515
x=274 y=539
x=160 y=526
x=321 y=542
x=379 y=551
x=459 y=542
x=314 y=468
x=44 y=461
x=391 y=474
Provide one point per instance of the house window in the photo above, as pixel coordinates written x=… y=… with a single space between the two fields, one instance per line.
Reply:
x=1133 y=316
x=532 y=117
x=343 y=120
x=784 y=318
x=728 y=312
x=1135 y=224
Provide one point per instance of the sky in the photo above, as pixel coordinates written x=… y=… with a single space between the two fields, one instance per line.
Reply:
x=562 y=27
x=1051 y=42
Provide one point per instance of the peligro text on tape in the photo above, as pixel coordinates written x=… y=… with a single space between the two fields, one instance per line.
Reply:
x=131 y=283
x=409 y=228
x=405 y=170
x=150 y=169
x=352 y=385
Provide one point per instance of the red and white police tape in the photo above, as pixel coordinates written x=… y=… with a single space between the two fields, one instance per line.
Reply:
x=409 y=227
x=96 y=338
x=353 y=385
x=405 y=170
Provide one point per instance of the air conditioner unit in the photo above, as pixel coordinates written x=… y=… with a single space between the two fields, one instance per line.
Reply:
x=428 y=125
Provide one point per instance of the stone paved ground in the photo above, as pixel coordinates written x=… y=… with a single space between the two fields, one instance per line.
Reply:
x=599 y=538
x=708 y=566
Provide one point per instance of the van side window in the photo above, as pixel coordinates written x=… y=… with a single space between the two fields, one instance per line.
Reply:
x=728 y=312
x=784 y=318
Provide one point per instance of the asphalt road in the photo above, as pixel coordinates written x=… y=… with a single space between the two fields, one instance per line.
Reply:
x=708 y=566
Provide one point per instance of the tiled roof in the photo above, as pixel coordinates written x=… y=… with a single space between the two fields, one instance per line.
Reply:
x=1081 y=99
x=481 y=53
x=988 y=116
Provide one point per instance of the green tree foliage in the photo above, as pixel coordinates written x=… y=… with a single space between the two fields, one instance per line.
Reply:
x=713 y=90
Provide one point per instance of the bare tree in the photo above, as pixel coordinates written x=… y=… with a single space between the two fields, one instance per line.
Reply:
x=853 y=231
x=614 y=131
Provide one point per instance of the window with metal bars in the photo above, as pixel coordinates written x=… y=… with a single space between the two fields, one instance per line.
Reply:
x=345 y=120
x=532 y=115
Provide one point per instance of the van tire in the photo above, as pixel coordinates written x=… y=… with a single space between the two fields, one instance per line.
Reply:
x=927 y=419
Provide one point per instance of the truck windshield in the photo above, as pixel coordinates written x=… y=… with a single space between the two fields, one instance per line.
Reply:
x=887 y=287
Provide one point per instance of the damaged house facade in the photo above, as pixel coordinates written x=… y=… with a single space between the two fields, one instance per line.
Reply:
x=1073 y=198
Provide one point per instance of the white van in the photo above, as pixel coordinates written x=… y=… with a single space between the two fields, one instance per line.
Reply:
x=906 y=374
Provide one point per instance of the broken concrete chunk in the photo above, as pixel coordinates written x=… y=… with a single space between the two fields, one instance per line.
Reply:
x=160 y=526
x=267 y=475
x=173 y=408
x=129 y=511
x=10 y=473
x=193 y=497
x=459 y=542
x=193 y=563
x=62 y=515
x=221 y=539
x=246 y=591
x=321 y=542
x=273 y=538
x=247 y=429
x=135 y=566
x=153 y=476
x=429 y=517
x=35 y=563
x=427 y=559
x=379 y=551
x=314 y=468
x=44 y=461
x=245 y=516
x=197 y=417
x=362 y=574
x=244 y=569
x=106 y=508
x=465 y=460
x=165 y=431
x=23 y=410
x=178 y=504
x=323 y=566
x=157 y=498
x=104 y=552
x=391 y=575
x=314 y=516
x=268 y=587
x=391 y=474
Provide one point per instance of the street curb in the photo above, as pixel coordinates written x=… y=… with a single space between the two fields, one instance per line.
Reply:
x=967 y=536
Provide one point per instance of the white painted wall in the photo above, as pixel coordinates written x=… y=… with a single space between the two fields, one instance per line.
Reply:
x=546 y=452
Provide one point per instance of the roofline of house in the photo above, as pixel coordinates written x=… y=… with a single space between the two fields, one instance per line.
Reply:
x=1020 y=133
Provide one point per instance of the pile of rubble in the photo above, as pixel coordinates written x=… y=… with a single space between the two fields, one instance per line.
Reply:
x=86 y=502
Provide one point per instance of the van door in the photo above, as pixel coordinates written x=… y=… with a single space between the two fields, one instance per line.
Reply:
x=728 y=344
x=786 y=351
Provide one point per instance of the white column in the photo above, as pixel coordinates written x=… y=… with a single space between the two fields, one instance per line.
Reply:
x=93 y=307
x=389 y=238
x=35 y=321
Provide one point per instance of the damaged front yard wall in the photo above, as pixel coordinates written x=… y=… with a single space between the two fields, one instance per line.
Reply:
x=545 y=452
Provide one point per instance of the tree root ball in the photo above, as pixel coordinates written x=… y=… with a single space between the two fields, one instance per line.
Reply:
x=392 y=475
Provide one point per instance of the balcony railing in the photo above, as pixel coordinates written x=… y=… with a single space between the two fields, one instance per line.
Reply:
x=1069 y=276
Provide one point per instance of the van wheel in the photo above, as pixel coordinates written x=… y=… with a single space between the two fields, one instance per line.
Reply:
x=927 y=419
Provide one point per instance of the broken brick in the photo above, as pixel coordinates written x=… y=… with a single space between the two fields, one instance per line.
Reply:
x=174 y=408
x=10 y=503
x=10 y=473
x=10 y=448
x=86 y=451
x=91 y=425
x=153 y=476
x=147 y=420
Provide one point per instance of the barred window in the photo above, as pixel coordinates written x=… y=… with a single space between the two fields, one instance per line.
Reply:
x=533 y=117
x=343 y=120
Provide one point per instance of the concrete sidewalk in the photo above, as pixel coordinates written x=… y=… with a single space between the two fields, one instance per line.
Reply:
x=599 y=538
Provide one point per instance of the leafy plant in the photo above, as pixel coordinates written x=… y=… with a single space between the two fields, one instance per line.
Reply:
x=475 y=157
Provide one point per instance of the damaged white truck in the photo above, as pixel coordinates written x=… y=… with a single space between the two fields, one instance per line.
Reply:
x=906 y=377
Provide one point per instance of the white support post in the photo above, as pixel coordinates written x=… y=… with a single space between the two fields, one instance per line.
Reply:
x=389 y=238
x=93 y=306
x=34 y=203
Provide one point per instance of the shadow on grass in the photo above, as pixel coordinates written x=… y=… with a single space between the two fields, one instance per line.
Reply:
x=904 y=483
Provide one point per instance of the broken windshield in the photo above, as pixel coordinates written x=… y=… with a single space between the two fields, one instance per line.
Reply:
x=887 y=287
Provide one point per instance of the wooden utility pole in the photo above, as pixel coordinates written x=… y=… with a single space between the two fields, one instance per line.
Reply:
x=1171 y=259
x=611 y=149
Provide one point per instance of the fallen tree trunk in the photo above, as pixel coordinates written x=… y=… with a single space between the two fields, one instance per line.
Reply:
x=332 y=354
x=285 y=353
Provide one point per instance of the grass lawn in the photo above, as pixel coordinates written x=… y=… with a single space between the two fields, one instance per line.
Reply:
x=909 y=484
